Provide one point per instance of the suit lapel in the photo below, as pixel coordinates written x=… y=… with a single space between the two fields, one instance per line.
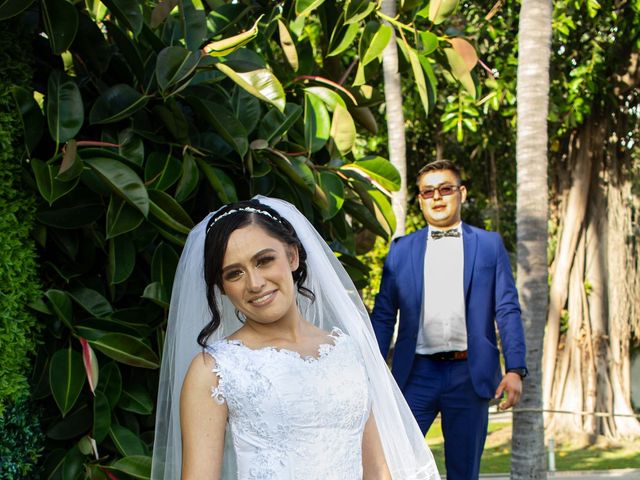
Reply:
x=418 y=250
x=470 y=247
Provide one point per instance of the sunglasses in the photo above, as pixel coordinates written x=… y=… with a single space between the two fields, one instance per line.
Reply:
x=443 y=190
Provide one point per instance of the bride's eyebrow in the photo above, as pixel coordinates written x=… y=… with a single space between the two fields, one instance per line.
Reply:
x=253 y=258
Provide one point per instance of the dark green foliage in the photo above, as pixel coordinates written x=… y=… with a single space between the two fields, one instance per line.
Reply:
x=17 y=208
x=20 y=436
x=22 y=441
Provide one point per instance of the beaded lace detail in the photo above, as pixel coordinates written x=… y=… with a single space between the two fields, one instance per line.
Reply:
x=293 y=417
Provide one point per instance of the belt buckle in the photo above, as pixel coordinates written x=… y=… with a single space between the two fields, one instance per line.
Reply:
x=452 y=355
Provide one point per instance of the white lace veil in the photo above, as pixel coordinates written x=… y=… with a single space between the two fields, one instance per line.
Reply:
x=337 y=304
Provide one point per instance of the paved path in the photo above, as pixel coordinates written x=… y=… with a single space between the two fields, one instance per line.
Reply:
x=622 y=474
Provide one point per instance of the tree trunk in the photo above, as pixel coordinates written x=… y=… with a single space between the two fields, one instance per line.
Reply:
x=589 y=377
x=493 y=191
x=395 y=122
x=534 y=49
x=573 y=217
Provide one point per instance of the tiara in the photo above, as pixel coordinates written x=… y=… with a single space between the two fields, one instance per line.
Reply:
x=242 y=209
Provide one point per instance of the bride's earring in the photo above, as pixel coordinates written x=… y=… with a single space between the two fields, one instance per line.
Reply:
x=241 y=316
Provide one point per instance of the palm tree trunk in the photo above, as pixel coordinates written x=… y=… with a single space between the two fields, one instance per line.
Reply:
x=395 y=122
x=534 y=48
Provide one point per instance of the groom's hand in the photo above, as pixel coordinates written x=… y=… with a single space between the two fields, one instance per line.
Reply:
x=511 y=384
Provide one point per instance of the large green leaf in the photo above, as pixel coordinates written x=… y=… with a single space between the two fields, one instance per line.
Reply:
x=122 y=180
x=367 y=73
x=161 y=171
x=418 y=73
x=66 y=378
x=194 y=25
x=296 y=169
x=174 y=66
x=220 y=181
x=460 y=70
x=61 y=305
x=93 y=302
x=430 y=79
x=126 y=441
x=380 y=35
x=72 y=464
x=156 y=292
x=60 y=20
x=378 y=204
x=329 y=194
x=347 y=39
x=136 y=466
x=101 y=417
x=383 y=209
x=275 y=124
x=110 y=383
x=121 y=217
x=260 y=82
x=166 y=209
x=116 y=103
x=161 y=11
x=49 y=186
x=343 y=129
x=439 y=10
x=128 y=12
x=356 y=10
x=378 y=170
x=246 y=108
x=328 y=96
x=163 y=265
x=65 y=110
x=317 y=123
x=228 y=126
x=71 y=166
x=76 y=423
x=12 y=8
x=428 y=43
x=31 y=117
x=363 y=215
x=288 y=45
x=71 y=216
x=122 y=259
x=189 y=178
x=128 y=48
x=126 y=349
x=136 y=399
x=305 y=7
x=226 y=46
x=174 y=119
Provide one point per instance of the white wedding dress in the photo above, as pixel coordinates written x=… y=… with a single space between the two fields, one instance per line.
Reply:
x=294 y=417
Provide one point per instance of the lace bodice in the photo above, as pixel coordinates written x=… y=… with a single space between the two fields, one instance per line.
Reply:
x=294 y=417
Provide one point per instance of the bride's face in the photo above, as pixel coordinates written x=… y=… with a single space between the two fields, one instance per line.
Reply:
x=256 y=275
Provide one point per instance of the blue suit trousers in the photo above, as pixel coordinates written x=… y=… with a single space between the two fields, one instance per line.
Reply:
x=445 y=387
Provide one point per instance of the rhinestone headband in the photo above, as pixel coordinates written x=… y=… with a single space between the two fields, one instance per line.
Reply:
x=243 y=209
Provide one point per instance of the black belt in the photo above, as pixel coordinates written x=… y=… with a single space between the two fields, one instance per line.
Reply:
x=443 y=356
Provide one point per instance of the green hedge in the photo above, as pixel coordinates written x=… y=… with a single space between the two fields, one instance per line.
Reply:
x=21 y=440
x=19 y=429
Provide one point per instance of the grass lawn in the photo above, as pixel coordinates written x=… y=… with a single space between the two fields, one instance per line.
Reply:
x=569 y=455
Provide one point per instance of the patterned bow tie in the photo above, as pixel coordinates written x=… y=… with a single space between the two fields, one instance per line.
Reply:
x=438 y=234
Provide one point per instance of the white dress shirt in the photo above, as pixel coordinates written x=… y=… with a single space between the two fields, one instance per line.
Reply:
x=443 y=327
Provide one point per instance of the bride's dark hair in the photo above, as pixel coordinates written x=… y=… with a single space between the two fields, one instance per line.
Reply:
x=220 y=227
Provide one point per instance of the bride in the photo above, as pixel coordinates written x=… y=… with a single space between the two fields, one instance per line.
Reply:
x=285 y=381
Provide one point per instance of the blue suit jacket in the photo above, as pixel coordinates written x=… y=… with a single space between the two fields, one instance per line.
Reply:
x=490 y=297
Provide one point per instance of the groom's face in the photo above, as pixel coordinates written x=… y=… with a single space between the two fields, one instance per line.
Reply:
x=442 y=211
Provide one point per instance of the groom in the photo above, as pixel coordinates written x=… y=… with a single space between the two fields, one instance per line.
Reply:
x=452 y=284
